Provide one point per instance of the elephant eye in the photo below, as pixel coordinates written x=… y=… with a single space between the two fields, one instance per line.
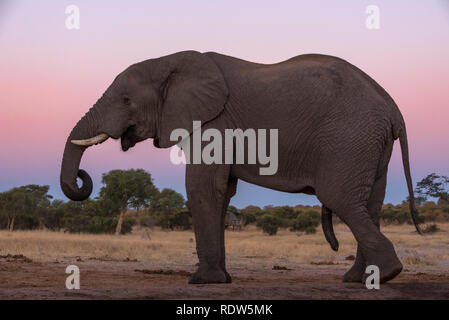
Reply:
x=126 y=100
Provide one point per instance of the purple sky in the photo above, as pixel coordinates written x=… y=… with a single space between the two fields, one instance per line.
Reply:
x=50 y=76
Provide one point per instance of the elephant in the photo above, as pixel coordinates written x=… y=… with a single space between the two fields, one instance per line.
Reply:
x=336 y=130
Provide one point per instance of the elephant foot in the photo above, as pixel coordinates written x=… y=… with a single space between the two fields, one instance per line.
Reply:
x=387 y=272
x=355 y=274
x=386 y=260
x=210 y=276
x=228 y=277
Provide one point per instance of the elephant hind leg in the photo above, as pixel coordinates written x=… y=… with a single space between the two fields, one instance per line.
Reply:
x=350 y=198
x=357 y=271
x=375 y=248
x=374 y=206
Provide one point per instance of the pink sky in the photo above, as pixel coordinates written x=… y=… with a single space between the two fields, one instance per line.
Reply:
x=50 y=76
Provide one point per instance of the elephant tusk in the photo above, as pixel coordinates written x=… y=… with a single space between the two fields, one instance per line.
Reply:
x=91 y=141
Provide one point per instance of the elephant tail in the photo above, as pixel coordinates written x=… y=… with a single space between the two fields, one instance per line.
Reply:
x=328 y=229
x=405 y=161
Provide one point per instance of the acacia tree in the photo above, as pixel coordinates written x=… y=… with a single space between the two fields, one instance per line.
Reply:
x=434 y=186
x=31 y=199
x=13 y=202
x=165 y=205
x=55 y=215
x=3 y=208
x=38 y=201
x=125 y=189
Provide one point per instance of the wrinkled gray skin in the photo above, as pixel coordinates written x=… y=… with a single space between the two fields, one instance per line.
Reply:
x=336 y=132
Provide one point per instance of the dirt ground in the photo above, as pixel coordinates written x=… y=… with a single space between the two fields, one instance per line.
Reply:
x=130 y=280
x=258 y=273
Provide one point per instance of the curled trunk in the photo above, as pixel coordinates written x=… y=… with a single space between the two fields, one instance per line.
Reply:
x=87 y=127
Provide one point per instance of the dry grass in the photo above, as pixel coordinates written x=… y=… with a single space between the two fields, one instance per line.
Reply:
x=245 y=249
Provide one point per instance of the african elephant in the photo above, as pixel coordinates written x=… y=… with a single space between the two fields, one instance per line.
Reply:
x=336 y=130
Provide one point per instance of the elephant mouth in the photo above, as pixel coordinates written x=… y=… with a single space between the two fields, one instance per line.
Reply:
x=129 y=138
x=156 y=143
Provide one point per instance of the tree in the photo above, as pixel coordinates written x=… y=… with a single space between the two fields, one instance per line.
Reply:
x=125 y=189
x=269 y=224
x=250 y=214
x=165 y=205
x=285 y=212
x=29 y=203
x=251 y=209
x=92 y=216
x=233 y=209
x=306 y=221
x=39 y=201
x=434 y=186
x=182 y=220
x=4 y=216
x=53 y=219
x=14 y=203
x=75 y=219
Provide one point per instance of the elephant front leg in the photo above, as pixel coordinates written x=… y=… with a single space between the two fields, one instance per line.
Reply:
x=207 y=192
x=231 y=189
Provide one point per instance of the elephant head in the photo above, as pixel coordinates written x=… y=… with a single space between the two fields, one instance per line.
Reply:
x=147 y=100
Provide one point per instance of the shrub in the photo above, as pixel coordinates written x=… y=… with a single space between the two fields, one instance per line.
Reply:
x=163 y=221
x=75 y=223
x=430 y=228
x=248 y=218
x=80 y=223
x=182 y=220
x=310 y=230
x=395 y=216
x=269 y=224
x=285 y=212
x=306 y=221
x=435 y=215
x=127 y=225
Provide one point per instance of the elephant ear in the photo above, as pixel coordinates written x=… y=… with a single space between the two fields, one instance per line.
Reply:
x=193 y=90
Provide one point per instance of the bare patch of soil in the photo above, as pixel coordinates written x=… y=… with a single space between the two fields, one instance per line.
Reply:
x=166 y=272
x=15 y=258
x=131 y=280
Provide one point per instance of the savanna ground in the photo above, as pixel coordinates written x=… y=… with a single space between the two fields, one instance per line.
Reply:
x=285 y=266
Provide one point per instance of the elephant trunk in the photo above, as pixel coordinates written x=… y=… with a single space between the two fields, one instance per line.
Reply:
x=86 y=128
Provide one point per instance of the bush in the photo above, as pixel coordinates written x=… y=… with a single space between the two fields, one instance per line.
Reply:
x=26 y=222
x=310 y=230
x=172 y=220
x=80 y=223
x=98 y=224
x=435 y=215
x=182 y=220
x=147 y=221
x=306 y=221
x=75 y=223
x=285 y=212
x=395 y=216
x=431 y=228
x=127 y=225
x=269 y=224
x=248 y=218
